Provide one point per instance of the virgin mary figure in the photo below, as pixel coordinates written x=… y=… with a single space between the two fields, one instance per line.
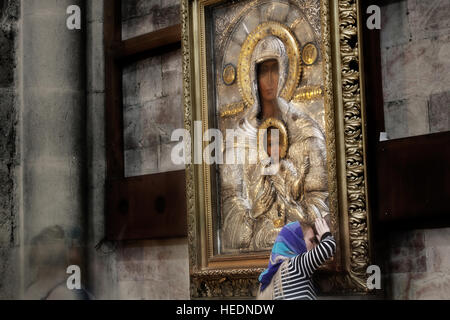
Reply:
x=257 y=205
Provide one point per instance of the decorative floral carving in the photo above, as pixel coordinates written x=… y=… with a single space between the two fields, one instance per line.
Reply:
x=353 y=135
x=190 y=187
x=232 y=284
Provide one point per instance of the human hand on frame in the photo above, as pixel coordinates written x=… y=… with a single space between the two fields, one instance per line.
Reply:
x=321 y=227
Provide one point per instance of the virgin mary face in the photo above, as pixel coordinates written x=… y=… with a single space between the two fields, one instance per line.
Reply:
x=268 y=76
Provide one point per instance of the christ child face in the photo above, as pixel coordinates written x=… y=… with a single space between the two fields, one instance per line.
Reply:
x=273 y=141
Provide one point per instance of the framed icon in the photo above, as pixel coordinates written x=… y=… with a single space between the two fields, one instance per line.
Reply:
x=287 y=65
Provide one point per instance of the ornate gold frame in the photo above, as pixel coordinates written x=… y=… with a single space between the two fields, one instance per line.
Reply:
x=236 y=276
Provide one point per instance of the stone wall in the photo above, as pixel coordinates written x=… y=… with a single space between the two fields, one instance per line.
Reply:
x=152 y=269
x=62 y=114
x=9 y=151
x=152 y=104
x=152 y=111
x=142 y=16
x=415 y=48
x=419 y=264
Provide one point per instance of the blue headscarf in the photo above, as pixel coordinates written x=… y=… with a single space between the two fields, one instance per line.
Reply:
x=289 y=243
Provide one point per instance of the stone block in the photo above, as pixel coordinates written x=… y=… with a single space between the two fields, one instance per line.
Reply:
x=156 y=290
x=165 y=16
x=427 y=18
x=139 y=129
x=429 y=286
x=408 y=252
x=7 y=58
x=399 y=284
x=94 y=11
x=167 y=260
x=6 y=205
x=171 y=61
x=128 y=290
x=9 y=269
x=59 y=67
x=130 y=270
x=395 y=24
x=172 y=85
x=399 y=68
x=437 y=237
x=96 y=127
x=439 y=258
x=179 y=289
x=48 y=7
x=95 y=58
x=408 y=239
x=165 y=161
x=409 y=260
x=55 y=123
x=438 y=249
x=152 y=123
x=52 y=194
x=406 y=118
x=8 y=120
x=142 y=82
x=140 y=17
x=439 y=112
x=131 y=251
x=136 y=8
x=433 y=65
x=141 y=161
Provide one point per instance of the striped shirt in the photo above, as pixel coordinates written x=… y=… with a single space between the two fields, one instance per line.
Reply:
x=296 y=277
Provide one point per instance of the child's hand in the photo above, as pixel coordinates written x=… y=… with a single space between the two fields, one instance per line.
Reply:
x=321 y=227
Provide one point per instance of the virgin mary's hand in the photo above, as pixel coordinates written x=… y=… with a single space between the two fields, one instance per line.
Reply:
x=264 y=201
